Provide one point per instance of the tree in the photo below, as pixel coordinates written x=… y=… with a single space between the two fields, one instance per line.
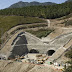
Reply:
x=69 y=55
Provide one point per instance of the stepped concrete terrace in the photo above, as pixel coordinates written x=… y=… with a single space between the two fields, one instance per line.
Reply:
x=22 y=43
x=65 y=42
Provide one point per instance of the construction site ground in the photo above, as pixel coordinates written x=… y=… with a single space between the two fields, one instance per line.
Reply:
x=14 y=66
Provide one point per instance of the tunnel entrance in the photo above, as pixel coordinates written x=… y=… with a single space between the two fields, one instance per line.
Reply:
x=34 y=51
x=50 y=52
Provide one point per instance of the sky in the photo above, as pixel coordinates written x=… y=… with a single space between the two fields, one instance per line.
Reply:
x=7 y=3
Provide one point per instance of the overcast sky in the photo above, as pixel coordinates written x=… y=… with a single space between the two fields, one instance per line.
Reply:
x=7 y=3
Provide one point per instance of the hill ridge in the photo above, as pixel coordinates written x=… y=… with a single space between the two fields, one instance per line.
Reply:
x=21 y=4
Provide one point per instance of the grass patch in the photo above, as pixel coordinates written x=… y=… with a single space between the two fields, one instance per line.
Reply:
x=7 y=22
x=65 y=17
x=41 y=32
x=20 y=28
x=37 y=25
x=0 y=41
x=69 y=22
x=29 y=26
x=69 y=53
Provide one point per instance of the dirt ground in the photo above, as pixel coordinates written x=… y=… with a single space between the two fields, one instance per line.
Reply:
x=10 y=66
x=13 y=66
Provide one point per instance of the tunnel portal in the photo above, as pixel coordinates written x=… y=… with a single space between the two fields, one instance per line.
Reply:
x=50 y=52
x=34 y=51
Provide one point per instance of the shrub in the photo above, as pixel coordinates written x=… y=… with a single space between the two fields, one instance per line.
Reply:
x=69 y=22
x=41 y=32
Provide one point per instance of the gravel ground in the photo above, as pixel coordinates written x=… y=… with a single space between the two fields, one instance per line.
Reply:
x=12 y=66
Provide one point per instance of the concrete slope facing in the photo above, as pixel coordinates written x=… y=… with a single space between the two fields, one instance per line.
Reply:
x=32 y=39
x=62 y=39
x=59 y=31
x=61 y=51
x=18 y=44
x=57 y=54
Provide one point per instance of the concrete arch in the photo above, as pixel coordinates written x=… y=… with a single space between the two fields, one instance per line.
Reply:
x=33 y=51
x=50 y=52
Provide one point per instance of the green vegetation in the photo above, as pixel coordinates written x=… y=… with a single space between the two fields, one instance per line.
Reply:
x=41 y=32
x=68 y=0
x=37 y=25
x=7 y=22
x=21 y=4
x=0 y=41
x=69 y=68
x=50 y=11
x=20 y=28
x=29 y=26
x=69 y=55
x=69 y=22
x=65 y=17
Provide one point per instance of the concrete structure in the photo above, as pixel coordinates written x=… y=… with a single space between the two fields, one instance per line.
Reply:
x=22 y=43
x=48 y=21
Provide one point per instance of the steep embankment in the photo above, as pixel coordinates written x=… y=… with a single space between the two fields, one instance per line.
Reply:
x=8 y=22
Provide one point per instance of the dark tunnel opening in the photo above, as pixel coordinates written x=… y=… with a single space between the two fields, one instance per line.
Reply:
x=34 y=51
x=50 y=52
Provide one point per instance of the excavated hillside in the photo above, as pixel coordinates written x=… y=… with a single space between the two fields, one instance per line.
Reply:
x=60 y=31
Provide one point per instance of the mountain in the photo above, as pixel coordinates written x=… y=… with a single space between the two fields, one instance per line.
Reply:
x=68 y=0
x=21 y=4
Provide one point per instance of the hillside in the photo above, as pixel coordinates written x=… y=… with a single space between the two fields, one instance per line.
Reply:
x=7 y=22
x=68 y=0
x=36 y=37
x=21 y=4
x=49 y=11
x=14 y=65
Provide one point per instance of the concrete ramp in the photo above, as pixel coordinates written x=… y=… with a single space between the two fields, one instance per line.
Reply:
x=62 y=39
x=57 y=54
x=60 y=51
x=31 y=39
x=19 y=43
x=68 y=44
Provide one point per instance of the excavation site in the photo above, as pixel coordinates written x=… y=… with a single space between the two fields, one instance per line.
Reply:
x=36 y=36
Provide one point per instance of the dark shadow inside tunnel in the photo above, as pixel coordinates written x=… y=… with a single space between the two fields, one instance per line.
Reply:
x=34 y=51
x=20 y=47
x=50 y=52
